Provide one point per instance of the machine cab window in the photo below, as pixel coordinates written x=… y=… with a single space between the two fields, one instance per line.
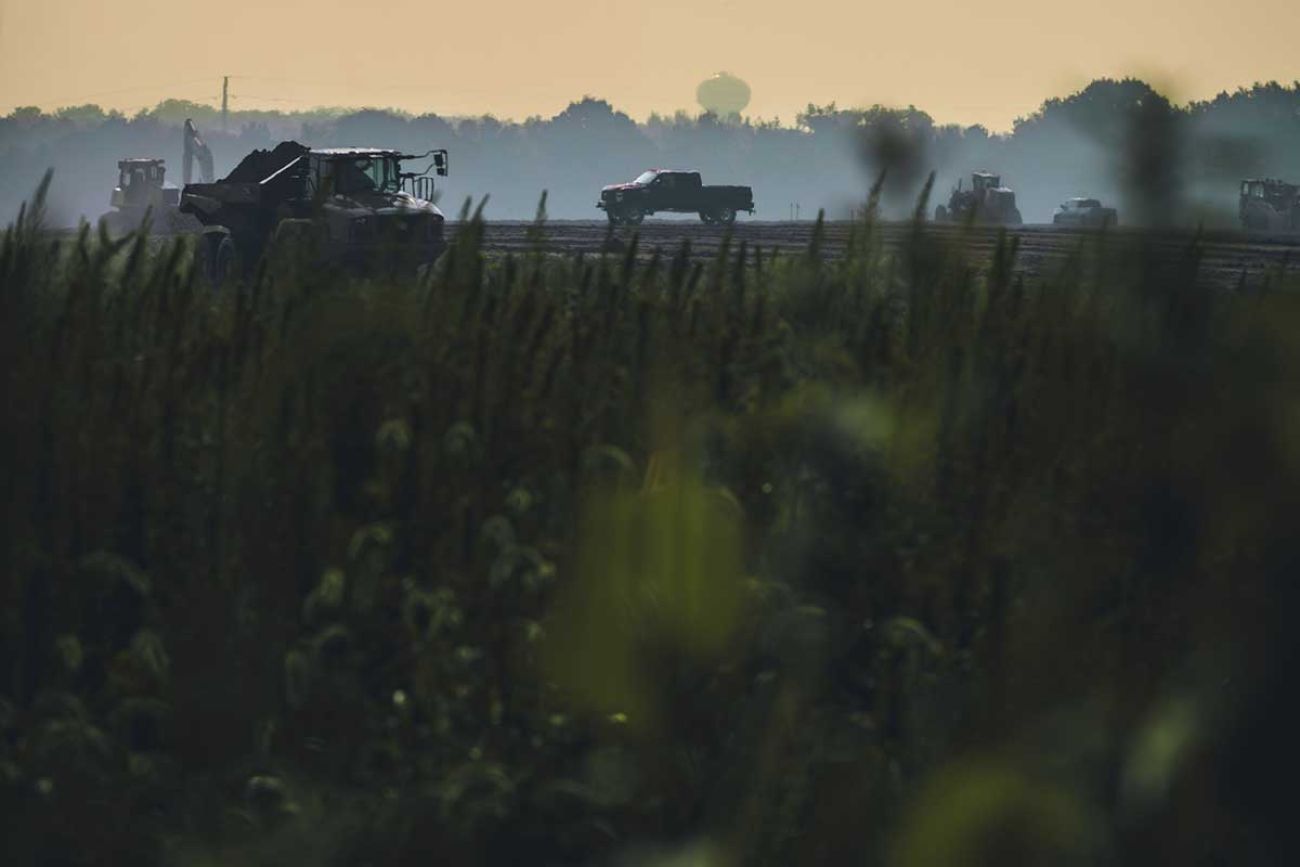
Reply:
x=353 y=174
x=142 y=174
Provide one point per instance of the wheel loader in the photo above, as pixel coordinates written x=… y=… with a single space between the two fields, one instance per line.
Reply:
x=987 y=201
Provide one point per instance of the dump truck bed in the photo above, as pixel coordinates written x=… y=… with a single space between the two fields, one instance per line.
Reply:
x=261 y=179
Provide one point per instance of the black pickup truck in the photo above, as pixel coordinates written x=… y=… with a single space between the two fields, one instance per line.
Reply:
x=661 y=190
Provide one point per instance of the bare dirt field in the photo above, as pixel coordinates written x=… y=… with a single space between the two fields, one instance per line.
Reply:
x=1227 y=258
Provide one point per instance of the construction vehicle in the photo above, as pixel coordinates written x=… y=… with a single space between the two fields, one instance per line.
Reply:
x=1269 y=205
x=142 y=189
x=352 y=207
x=1084 y=213
x=194 y=148
x=987 y=201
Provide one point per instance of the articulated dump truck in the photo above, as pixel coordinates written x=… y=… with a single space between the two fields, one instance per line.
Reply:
x=351 y=207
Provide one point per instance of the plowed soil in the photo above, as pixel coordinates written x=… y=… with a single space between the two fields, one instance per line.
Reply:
x=1229 y=259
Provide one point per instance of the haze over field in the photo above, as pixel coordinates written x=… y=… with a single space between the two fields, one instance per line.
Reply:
x=1116 y=140
x=963 y=63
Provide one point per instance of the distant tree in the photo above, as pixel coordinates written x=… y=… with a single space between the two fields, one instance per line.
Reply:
x=370 y=126
x=27 y=114
x=175 y=112
x=83 y=115
x=593 y=114
x=1102 y=111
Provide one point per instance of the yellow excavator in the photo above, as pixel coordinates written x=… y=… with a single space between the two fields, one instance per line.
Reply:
x=142 y=189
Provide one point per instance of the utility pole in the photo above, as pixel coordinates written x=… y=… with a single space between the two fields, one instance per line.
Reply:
x=225 y=100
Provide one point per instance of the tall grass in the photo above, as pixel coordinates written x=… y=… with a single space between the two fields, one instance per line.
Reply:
x=897 y=557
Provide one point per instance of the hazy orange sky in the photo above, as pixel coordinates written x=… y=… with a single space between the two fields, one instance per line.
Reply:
x=963 y=62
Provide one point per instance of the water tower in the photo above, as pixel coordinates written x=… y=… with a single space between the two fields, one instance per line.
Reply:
x=723 y=94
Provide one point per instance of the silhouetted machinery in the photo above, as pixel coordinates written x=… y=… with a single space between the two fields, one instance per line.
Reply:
x=347 y=207
x=1270 y=205
x=987 y=201
x=141 y=184
x=196 y=149
x=142 y=188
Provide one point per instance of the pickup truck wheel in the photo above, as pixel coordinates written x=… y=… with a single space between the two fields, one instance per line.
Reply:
x=633 y=216
x=725 y=216
x=706 y=217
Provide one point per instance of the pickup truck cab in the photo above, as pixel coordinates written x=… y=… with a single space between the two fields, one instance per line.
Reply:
x=680 y=192
x=1084 y=212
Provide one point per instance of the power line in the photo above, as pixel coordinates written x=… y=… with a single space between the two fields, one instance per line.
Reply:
x=81 y=100
x=421 y=88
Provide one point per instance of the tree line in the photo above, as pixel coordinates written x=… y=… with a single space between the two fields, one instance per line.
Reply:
x=1119 y=140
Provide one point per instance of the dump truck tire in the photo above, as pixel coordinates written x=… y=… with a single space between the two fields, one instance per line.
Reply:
x=217 y=259
x=295 y=234
x=205 y=253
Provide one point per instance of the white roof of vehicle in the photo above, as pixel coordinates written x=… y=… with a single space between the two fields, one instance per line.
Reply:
x=354 y=152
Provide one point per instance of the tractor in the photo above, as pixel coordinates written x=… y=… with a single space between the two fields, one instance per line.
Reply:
x=1269 y=205
x=987 y=201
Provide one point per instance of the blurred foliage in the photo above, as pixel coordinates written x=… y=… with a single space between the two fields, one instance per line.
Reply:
x=660 y=568
x=896 y=558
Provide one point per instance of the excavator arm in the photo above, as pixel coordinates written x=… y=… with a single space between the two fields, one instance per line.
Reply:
x=196 y=148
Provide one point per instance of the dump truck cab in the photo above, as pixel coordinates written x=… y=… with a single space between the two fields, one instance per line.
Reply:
x=366 y=198
x=355 y=205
